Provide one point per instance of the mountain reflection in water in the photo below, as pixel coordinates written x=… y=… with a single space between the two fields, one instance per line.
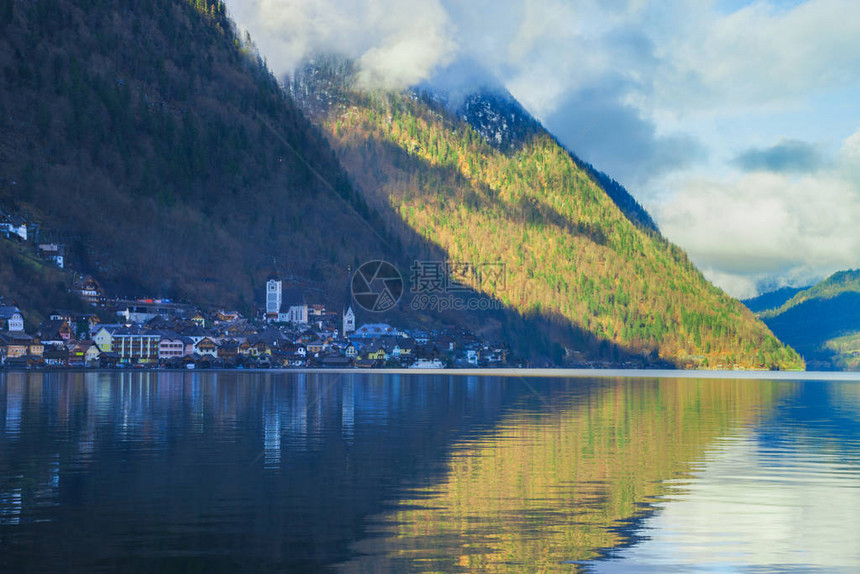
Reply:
x=561 y=479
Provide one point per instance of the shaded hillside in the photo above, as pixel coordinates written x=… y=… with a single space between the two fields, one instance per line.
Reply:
x=35 y=286
x=833 y=286
x=568 y=250
x=151 y=140
x=822 y=322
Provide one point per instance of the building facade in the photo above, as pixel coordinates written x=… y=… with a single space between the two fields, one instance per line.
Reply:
x=11 y=319
x=273 y=297
x=348 y=321
x=135 y=346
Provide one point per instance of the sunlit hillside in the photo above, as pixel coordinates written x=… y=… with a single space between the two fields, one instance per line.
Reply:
x=569 y=251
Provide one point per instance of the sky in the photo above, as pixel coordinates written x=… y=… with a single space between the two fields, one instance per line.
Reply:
x=736 y=123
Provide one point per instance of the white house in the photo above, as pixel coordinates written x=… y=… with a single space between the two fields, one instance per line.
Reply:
x=11 y=225
x=136 y=345
x=11 y=319
x=171 y=347
x=206 y=346
x=53 y=252
x=472 y=356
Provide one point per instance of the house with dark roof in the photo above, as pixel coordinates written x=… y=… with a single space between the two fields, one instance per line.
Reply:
x=206 y=346
x=90 y=291
x=56 y=356
x=228 y=350
x=53 y=252
x=83 y=354
x=376 y=350
x=14 y=346
x=55 y=332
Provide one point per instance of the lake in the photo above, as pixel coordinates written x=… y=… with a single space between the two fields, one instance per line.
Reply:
x=371 y=472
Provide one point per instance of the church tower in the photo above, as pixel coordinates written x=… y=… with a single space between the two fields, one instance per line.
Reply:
x=348 y=313
x=348 y=321
x=274 y=289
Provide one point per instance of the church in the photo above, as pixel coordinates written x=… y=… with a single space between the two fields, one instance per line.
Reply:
x=285 y=306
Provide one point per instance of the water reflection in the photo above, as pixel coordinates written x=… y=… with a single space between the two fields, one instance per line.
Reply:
x=214 y=471
x=557 y=481
x=366 y=472
x=780 y=495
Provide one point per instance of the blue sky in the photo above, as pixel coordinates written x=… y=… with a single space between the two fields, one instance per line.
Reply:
x=736 y=123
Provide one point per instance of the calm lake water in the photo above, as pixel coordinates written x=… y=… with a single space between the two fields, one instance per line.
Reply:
x=365 y=472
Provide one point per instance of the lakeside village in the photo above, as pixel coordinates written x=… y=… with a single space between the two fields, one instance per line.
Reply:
x=291 y=333
x=288 y=333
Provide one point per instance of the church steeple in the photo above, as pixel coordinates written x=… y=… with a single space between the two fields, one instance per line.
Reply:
x=348 y=313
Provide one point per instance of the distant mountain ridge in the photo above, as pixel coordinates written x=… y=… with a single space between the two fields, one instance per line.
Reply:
x=771 y=299
x=837 y=284
x=821 y=322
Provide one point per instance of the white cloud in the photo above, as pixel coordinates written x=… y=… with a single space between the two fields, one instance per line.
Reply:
x=750 y=227
x=397 y=42
x=759 y=56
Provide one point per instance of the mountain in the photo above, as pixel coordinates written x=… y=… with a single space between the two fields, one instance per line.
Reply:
x=822 y=322
x=151 y=140
x=771 y=299
x=571 y=255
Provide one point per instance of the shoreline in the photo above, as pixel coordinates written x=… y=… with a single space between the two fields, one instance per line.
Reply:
x=503 y=372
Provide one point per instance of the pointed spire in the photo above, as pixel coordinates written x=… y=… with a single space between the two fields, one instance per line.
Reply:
x=348 y=313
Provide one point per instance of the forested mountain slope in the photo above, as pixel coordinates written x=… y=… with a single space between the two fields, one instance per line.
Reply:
x=570 y=253
x=151 y=140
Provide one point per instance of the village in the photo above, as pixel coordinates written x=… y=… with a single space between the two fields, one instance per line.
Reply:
x=287 y=332
x=161 y=334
